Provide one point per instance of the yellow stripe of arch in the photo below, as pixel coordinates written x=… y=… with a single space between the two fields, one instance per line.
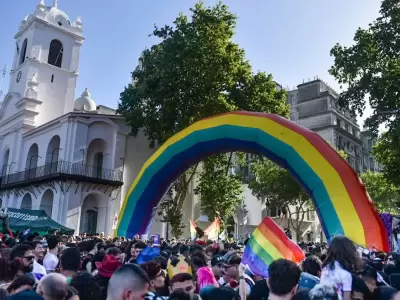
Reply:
x=267 y=245
x=340 y=198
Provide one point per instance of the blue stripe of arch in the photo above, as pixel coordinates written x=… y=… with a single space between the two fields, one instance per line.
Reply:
x=151 y=188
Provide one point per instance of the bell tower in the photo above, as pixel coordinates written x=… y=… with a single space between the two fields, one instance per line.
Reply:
x=46 y=61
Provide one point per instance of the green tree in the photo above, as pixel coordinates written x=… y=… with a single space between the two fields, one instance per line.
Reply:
x=220 y=192
x=370 y=70
x=277 y=188
x=195 y=71
x=383 y=193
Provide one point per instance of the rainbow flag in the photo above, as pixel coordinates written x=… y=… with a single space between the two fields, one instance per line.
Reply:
x=268 y=243
x=193 y=231
x=213 y=230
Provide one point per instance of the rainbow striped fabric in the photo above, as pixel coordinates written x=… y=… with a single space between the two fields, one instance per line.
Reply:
x=268 y=243
x=340 y=198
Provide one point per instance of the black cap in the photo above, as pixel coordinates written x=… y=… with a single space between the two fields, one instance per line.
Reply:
x=217 y=259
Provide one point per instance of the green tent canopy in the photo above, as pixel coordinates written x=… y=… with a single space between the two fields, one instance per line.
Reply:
x=35 y=221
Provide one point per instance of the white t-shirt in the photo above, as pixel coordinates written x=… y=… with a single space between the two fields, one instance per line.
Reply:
x=338 y=277
x=38 y=268
x=50 y=262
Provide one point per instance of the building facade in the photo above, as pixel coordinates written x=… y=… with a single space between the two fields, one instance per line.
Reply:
x=66 y=156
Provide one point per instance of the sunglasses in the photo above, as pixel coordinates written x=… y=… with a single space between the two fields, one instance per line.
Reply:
x=30 y=258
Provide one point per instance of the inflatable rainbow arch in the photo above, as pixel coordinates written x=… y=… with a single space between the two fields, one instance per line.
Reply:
x=341 y=201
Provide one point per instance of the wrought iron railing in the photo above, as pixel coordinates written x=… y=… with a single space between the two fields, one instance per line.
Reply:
x=62 y=168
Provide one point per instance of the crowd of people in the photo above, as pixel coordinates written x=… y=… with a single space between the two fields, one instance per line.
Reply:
x=56 y=267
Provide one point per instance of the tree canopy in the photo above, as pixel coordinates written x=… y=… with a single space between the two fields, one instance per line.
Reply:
x=370 y=71
x=383 y=193
x=195 y=71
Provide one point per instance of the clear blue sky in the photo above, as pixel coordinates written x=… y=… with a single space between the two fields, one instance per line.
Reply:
x=289 y=38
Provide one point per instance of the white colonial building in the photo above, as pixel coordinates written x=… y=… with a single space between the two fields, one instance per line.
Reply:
x=66 y=156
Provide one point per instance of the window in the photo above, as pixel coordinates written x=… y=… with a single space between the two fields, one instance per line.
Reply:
x=55 y=53
x=23 y=52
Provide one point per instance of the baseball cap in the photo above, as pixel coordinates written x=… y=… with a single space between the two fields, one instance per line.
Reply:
x=217 y=259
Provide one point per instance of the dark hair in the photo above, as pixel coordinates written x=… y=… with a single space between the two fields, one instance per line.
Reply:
x=114 y=251
x=181 y=277
x=369 y=272
x=140 y=245
x=342 y=250
x=19 y=251
x=86 y=286
x=20 y=281
x=71 y=259
x=135 y=270
x=179 y=295
x=284 y=275
x=52 y=241
x=198 y=259
x=358 y=285
x=224 y=293
x=312 y=265
x=152 y=269
x=184 y=248
x=128 y=248
x=5 y=270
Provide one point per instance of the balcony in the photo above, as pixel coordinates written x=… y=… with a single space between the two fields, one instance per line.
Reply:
x=62 y=171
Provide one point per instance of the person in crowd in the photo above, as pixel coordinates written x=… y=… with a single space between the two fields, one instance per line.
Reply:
x=38 y=270
x=116 y=252
x=20 y=284
x=260 y=291
x=184 y=282
x=341 y=260
x=157 y=280
x=323 y=292
x=6 y=277
x=230 y=272
x=216 y=266
x=53 y=287
x=86 y=286
x=134 y=252
x=179 y=295
x=312 y=268
x=21 y=260
x=370 y=277
x=70 y=262
x=359 y=290
x=204 y=275
x=283 y=280
x=129 y=282
x=50 y=261
x=105 y=270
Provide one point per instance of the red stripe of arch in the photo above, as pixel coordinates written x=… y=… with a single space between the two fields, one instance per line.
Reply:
x=374 y=236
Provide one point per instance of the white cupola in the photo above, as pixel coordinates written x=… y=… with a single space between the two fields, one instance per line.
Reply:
x=85 y=103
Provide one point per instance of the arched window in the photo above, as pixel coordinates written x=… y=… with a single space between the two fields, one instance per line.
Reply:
x=23 y=52
x=55 y=53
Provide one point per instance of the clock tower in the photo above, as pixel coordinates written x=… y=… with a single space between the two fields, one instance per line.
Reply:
x=45 y=66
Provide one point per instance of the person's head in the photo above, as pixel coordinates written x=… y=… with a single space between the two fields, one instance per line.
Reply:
x=216 y=266
x=21 y=283
x=323 y=292
x=116 y=252
x=182 y=282
x=108 y=266
x=38 y=249
x=198 y=259
x=70 y=260
x=53 y=286
x=179 y=295
x=129 y=282
x=370 y=277
x=156 y=275
x=312 y=265
x=230 y=266
x=21 y=258
x=393 y=259
x=53 y=242
x=86 y=286
x=344 y=251
x=184 y=250
x=359 y=290
x=283 y=278
x=136 y=249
